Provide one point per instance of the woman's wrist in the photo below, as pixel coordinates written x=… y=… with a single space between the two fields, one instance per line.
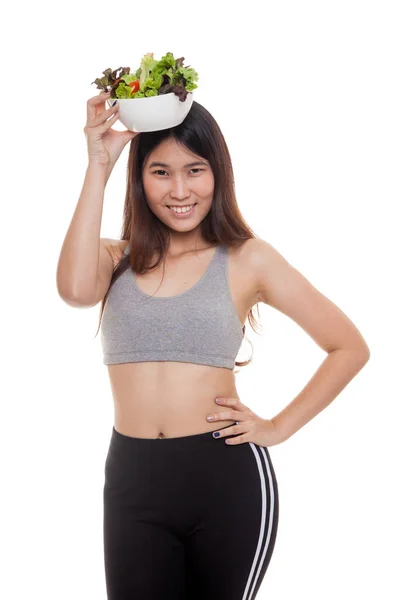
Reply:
x=99 y=170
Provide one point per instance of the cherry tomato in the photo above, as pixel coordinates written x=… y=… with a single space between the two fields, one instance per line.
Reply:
x=134 y=85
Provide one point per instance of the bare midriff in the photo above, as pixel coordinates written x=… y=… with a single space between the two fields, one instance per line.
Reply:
x=168 y=399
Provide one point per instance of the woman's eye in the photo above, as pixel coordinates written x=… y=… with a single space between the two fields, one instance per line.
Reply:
x=161 y=171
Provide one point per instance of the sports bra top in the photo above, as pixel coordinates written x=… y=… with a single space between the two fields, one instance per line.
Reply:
x=200 y=325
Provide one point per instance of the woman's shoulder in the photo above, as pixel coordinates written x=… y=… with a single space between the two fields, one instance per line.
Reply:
x=256 y=252
x=249 y=252
x=258 y=260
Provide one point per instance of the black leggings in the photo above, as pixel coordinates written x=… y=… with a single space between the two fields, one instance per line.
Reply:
x=187 y=518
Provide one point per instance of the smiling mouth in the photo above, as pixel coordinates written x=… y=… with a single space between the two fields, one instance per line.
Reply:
x=181 y=211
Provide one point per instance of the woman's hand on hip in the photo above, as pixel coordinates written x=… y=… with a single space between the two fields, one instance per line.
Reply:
x=249 y=426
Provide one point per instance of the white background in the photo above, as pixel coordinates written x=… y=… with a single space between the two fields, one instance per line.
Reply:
x=307 y=97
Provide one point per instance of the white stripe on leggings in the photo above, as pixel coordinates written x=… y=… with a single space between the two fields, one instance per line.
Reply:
x=248 y=595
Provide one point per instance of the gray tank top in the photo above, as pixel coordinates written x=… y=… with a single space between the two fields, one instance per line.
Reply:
x=200 y=325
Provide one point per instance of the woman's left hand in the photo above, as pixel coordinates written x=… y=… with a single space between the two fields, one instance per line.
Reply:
x=250 y=426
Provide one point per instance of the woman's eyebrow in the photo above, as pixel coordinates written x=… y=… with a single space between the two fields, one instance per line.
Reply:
x=192 y=164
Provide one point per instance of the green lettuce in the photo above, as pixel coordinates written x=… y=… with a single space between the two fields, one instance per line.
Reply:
x=154 y=78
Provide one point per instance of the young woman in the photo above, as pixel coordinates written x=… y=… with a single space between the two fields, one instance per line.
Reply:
x=190 y=495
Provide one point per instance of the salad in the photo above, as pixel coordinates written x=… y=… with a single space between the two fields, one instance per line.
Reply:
x=152 y=78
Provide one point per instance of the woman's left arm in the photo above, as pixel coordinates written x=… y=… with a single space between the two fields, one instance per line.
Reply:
x=281 y=286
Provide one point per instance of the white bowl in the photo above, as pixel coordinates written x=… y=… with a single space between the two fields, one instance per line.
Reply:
x=153 y=112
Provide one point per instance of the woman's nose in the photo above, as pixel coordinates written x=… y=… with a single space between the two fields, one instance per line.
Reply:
x=179 y=189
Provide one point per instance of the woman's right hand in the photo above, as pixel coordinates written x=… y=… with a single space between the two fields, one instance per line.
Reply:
x=104 y=144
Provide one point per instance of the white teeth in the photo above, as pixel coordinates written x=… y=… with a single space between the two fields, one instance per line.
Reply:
x=182 y=209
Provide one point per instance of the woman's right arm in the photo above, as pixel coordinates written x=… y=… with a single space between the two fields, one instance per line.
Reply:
x=78 y=264
x=85 y=266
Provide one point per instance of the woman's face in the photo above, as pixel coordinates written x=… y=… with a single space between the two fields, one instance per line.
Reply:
x=178 y=184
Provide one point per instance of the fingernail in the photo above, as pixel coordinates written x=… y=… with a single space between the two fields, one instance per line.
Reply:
x=218 y=400
x=114 y=103
x=216 y=434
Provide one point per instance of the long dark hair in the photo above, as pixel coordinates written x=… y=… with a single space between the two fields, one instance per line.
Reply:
x=148 y=235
